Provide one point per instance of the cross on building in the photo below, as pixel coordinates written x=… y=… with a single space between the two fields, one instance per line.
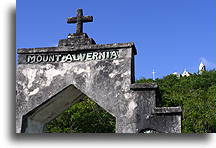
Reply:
x=79 y=20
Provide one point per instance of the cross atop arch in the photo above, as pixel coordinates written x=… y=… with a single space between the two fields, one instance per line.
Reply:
x=79 y=20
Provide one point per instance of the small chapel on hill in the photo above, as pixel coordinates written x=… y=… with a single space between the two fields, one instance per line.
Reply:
x=185 y=73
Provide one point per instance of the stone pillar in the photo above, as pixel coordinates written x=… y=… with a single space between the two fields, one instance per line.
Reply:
x=150 y=116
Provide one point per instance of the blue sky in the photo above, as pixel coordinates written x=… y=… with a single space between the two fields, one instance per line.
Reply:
x=169 y=35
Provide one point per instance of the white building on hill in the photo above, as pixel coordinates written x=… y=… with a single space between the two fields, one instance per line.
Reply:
x=185 y=73
x=177 y=74
x=202 y=68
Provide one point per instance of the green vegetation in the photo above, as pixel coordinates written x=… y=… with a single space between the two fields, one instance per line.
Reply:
x=83 y=117
x=195 y=94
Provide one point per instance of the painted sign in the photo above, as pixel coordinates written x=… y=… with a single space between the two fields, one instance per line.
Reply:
x=71 y=57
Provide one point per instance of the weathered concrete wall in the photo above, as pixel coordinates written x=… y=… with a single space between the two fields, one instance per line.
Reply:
x=149 y=115
x=107 y=82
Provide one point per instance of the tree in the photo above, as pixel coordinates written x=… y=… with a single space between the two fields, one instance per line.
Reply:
x=83 y=117
x=196 y=95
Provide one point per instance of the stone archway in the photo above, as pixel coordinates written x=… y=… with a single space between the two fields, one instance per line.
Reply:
x=34 y=121
x=105 y=81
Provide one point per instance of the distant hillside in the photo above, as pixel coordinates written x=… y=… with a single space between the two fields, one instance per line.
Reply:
x=195 y=94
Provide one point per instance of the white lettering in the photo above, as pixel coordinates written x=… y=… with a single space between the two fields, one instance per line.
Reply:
x=81 y=57
x=63 y=59
x=89 y=56
x=114 y=55
x=51 y=58
x=102 y=55
x=30 y=58
x=69 y=58
x=58 y=57
x=45 y=58
x=39 y=58
x=107 y=54
x=95 y=56
x=74 y=56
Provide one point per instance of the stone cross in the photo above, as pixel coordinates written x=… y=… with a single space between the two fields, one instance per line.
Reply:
x=79 y=20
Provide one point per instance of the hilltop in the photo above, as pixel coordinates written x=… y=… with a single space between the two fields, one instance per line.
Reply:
x=196 y=96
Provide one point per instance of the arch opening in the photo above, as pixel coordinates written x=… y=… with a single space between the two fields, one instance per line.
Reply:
x=69 y=111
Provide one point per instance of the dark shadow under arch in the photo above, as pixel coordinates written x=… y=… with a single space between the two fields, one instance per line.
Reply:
x=149 y=130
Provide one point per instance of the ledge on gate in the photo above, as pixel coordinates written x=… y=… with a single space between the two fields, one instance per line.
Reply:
x=78 y=48
x=143 y=86
x=167 y=110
